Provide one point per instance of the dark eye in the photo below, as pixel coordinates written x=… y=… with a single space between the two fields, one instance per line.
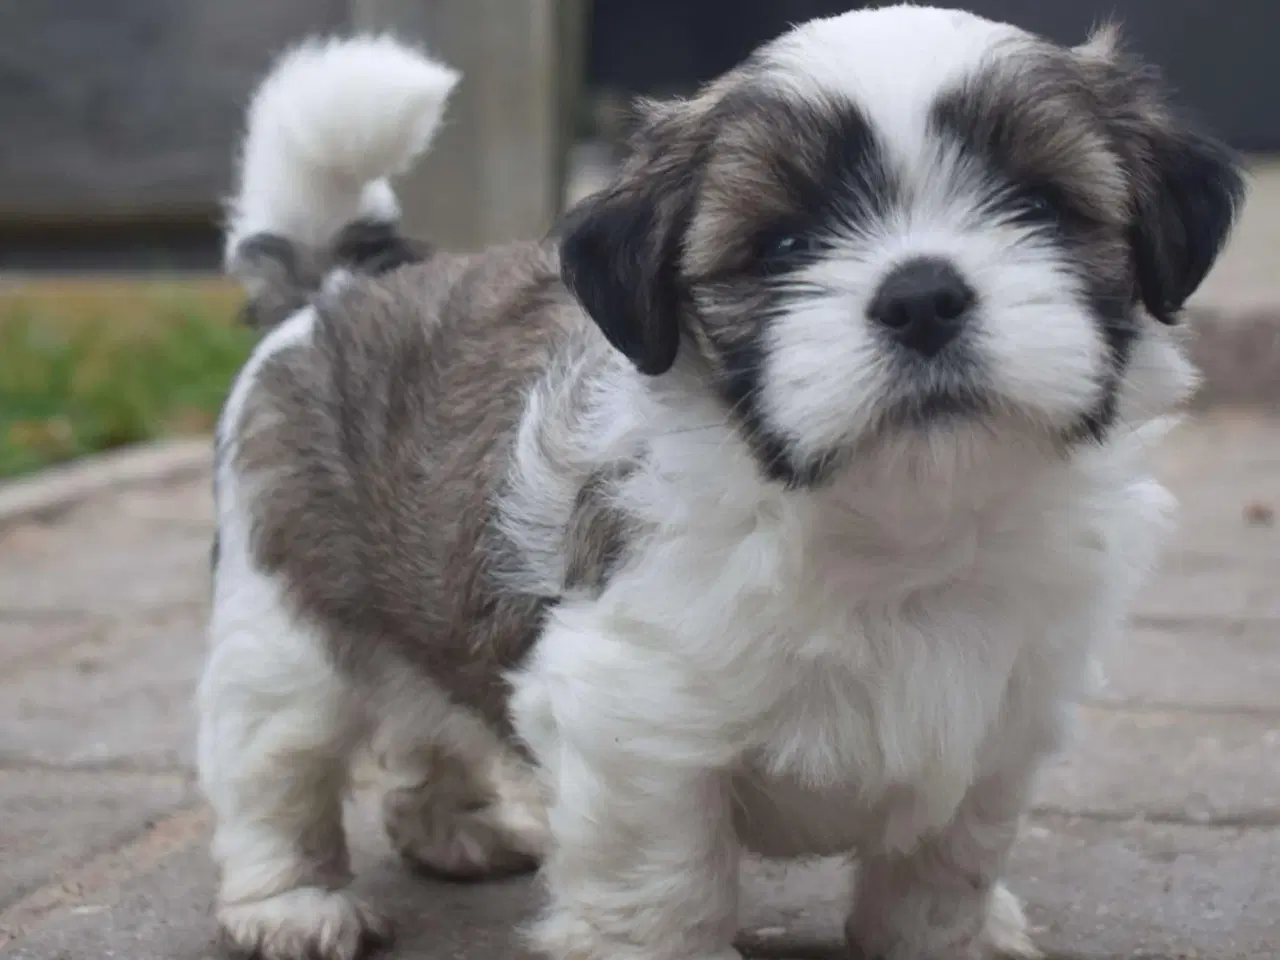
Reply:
x=782 y=251
x=1038 y=204
x=789 y=245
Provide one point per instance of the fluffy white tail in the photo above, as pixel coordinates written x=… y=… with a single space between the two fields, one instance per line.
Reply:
x=326 y=129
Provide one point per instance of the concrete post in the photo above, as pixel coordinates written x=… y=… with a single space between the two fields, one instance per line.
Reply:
x=497 y=170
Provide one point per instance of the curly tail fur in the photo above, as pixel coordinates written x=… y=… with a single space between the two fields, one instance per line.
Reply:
x=327 y=128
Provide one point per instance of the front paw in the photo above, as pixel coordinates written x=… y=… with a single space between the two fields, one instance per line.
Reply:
x=306 y=923
x=1003 y=935
x=560 y=936
x=1006 y=933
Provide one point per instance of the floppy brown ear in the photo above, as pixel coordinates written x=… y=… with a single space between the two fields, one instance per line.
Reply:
x=620 y=249
x=1188 y=186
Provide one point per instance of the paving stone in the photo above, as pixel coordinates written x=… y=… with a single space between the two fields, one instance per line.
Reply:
x=1168 y=766
x=1124 y=891
x=165 y=914
x=117 y=555
x=1222 y=468
x=1198 y=666
x=1103 y=891
x=133 y=578
x=124 y=700
x=52 y=821
x=1221 y=592
x=32 y=640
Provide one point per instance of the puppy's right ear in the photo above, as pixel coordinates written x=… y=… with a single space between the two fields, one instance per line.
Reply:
x=620 y=248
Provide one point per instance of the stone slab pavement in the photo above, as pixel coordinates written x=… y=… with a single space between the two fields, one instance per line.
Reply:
x=1157 y=835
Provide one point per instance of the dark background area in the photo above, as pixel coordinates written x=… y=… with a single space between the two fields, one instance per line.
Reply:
x=1217 y=53
x=118 y=114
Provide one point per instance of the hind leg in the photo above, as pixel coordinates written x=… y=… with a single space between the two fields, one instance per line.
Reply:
x=277 y=729
x=458 y=802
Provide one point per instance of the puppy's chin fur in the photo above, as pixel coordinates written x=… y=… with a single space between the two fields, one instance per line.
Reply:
x=656 y=542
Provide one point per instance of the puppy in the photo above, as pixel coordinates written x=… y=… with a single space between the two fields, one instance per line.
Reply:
x=773 y=505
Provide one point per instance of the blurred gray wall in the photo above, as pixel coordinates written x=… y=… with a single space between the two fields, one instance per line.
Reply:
x=130 y=108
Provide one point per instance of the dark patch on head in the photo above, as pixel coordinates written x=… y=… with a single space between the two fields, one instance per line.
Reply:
x=815 y=171
x=1085 y=144
x=1031 y=120
x=1049 y=166
x=779 y=169
x=1033 y=126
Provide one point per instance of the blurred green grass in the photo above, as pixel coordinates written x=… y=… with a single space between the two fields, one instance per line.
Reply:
x=87 y=366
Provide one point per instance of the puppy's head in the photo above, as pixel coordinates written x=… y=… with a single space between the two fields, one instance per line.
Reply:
x=910 y=222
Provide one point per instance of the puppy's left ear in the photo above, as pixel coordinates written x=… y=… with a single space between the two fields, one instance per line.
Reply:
x=1187 y=186
x=1184 y=214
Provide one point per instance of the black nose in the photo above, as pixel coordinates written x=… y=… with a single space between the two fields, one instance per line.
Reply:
x=924 y=302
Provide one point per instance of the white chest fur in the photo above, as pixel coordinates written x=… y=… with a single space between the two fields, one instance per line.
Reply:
x=869 y=682
x=844 y=677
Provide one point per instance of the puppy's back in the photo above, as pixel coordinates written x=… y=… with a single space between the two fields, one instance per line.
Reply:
x=373 y=446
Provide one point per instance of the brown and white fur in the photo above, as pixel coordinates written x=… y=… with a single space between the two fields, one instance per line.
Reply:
x=775 y=504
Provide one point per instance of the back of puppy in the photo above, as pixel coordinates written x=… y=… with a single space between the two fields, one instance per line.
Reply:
x=359 y=453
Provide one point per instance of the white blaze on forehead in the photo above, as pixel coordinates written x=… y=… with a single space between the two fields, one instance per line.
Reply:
x=892 y=62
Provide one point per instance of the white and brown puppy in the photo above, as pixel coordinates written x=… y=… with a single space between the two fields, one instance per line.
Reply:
x=774 y=506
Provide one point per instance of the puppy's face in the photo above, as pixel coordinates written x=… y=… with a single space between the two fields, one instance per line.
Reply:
x=909 y=222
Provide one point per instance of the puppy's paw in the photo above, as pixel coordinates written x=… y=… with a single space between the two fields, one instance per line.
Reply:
x=470 y=848
x=559 y=936
x=451 y=841
x=307 y=923
x=464 y=822
x=1006 y=934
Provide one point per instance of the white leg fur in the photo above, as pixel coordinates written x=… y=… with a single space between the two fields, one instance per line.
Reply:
x=655 y=880
x=277 y=728
x=276 y=733
x=943 y=898
x=644 y=864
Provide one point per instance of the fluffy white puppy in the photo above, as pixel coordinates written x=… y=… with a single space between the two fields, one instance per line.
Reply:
x=774 y=504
